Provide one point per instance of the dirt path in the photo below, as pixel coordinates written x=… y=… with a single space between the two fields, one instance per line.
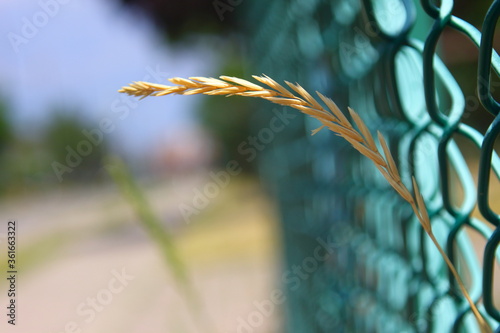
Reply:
x=87 y=266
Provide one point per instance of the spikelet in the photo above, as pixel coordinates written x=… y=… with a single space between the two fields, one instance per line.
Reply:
x=331 y=118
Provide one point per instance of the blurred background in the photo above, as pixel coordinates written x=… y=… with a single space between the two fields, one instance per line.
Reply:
x=91 y=175
x=71 y=145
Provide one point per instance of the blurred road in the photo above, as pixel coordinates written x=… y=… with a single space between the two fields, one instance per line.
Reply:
x=86 y=265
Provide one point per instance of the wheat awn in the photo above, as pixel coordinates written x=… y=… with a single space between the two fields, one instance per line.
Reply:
x=331 y=118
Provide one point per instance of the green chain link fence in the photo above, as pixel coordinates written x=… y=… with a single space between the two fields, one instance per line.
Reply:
x=384 y=274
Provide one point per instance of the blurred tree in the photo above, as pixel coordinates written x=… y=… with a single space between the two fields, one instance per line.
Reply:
x=180 y=18
x=228 y=119
x=6 y=134
x=6 y=138
x=26 y=167
x=76 y=150
x=25 y=164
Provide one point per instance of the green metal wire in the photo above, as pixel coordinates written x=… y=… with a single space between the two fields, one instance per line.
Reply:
x=485 y=59
x=385 y=275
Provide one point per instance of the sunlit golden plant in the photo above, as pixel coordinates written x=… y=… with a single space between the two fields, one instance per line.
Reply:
x=331 y=118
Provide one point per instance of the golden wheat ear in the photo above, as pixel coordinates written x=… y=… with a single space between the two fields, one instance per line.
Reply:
x=330 y=117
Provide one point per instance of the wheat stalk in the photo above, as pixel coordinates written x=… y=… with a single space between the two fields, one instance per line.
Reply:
x=332 y=118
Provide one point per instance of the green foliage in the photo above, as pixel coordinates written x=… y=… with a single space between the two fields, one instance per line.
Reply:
x=26 y=165
x=181 y=19
x=64 y=139
x=230 y=128
x=21 y=162
x=6 y=135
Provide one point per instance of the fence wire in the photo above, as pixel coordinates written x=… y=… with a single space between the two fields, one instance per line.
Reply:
x=383 y=274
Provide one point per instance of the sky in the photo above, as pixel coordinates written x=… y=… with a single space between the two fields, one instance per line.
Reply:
x=75 y=55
